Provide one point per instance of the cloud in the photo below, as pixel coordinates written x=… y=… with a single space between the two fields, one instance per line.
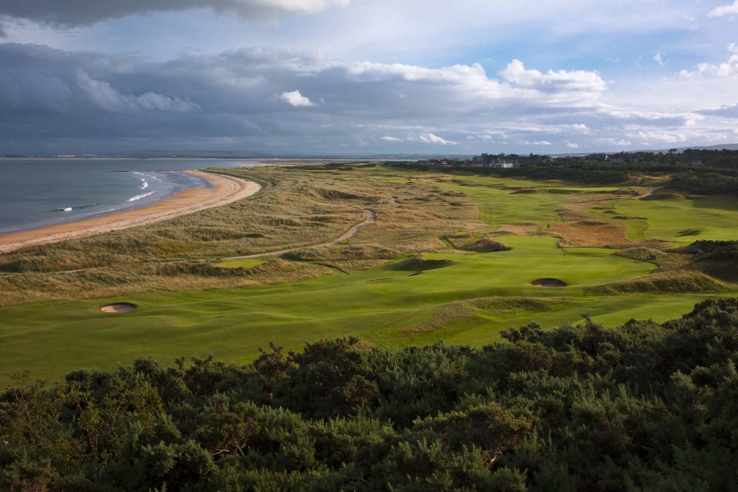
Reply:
x=76 y=12
x=104 y=97
x=91 y=102
x=659 y=137
x=725 y=10
x=296 y=99
x=659 y=58
x=580 y=127
x=578 y=80
x=728 y=69
x=726 y=111
x=571 y=145
x=434 y=139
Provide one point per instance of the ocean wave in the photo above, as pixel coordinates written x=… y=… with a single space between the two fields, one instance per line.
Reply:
x=139 y=197
x=77 y=207
x=144 y=184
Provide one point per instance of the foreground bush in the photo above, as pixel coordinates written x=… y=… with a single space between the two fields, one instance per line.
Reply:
x=643 y=406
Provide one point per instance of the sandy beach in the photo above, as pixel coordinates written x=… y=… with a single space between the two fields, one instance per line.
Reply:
x=226 y=189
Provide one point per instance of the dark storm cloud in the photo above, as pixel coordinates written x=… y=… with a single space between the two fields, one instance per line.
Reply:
x=81 y=12
x=285 y=101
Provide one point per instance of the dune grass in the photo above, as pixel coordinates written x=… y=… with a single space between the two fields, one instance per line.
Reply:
x=296 y=208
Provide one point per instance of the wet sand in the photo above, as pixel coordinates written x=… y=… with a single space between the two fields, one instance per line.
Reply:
x=226 y=189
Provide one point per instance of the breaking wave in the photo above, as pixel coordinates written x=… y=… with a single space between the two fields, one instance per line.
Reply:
x=78 y=207
x=139 y=197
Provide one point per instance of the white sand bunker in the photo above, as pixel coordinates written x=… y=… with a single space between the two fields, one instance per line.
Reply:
x=119 y=307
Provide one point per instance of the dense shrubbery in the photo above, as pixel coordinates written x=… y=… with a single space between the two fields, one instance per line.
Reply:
x=643 y=406
x=716 y=250
x=706 y=184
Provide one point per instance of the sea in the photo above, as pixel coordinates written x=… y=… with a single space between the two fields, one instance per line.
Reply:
x=39 y=192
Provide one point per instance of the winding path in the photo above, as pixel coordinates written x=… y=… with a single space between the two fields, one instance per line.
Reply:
x=371 y=216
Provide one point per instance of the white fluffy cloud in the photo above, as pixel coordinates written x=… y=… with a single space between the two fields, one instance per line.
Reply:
x=78 y=12
x=560 y=81
x=296 y=99
x=728 y=69
x=434 y=139
x=391 y=139
x=725 y=10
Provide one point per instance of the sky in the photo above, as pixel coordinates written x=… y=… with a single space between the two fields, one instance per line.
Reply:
x=362 y=77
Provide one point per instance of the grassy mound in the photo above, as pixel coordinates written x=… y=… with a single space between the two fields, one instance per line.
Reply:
x=627 y=191
x=662 y=196
x=675 y=283
x=487 y=245
x=418 y=264
x=641 y=253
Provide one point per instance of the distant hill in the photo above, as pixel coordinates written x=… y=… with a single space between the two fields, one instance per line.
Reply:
x=714 y=147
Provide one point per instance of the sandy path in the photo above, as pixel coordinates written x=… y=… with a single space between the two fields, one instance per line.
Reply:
x=226 y=189
x=649 y=192
x=370 y=217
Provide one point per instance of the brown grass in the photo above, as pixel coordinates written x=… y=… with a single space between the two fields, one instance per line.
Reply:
x=520 y=229
x=296 y=207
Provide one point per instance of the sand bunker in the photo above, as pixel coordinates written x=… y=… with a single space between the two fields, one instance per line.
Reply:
x=120 y=307
x=549 y=282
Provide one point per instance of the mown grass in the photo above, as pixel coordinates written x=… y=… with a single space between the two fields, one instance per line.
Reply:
x=243 y=263
x=681 y=220
x=382 y=305
x=403 y=280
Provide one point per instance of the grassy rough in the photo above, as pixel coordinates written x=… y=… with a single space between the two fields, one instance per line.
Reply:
x=295 y=208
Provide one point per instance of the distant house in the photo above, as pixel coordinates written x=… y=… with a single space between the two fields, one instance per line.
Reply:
x=503 y=164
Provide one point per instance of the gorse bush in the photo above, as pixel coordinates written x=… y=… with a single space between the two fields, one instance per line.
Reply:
x=643 y=406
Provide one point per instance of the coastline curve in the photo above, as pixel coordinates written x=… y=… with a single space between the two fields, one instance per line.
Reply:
x=226 y=189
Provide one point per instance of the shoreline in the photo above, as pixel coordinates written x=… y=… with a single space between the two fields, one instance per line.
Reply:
x=226 y=189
